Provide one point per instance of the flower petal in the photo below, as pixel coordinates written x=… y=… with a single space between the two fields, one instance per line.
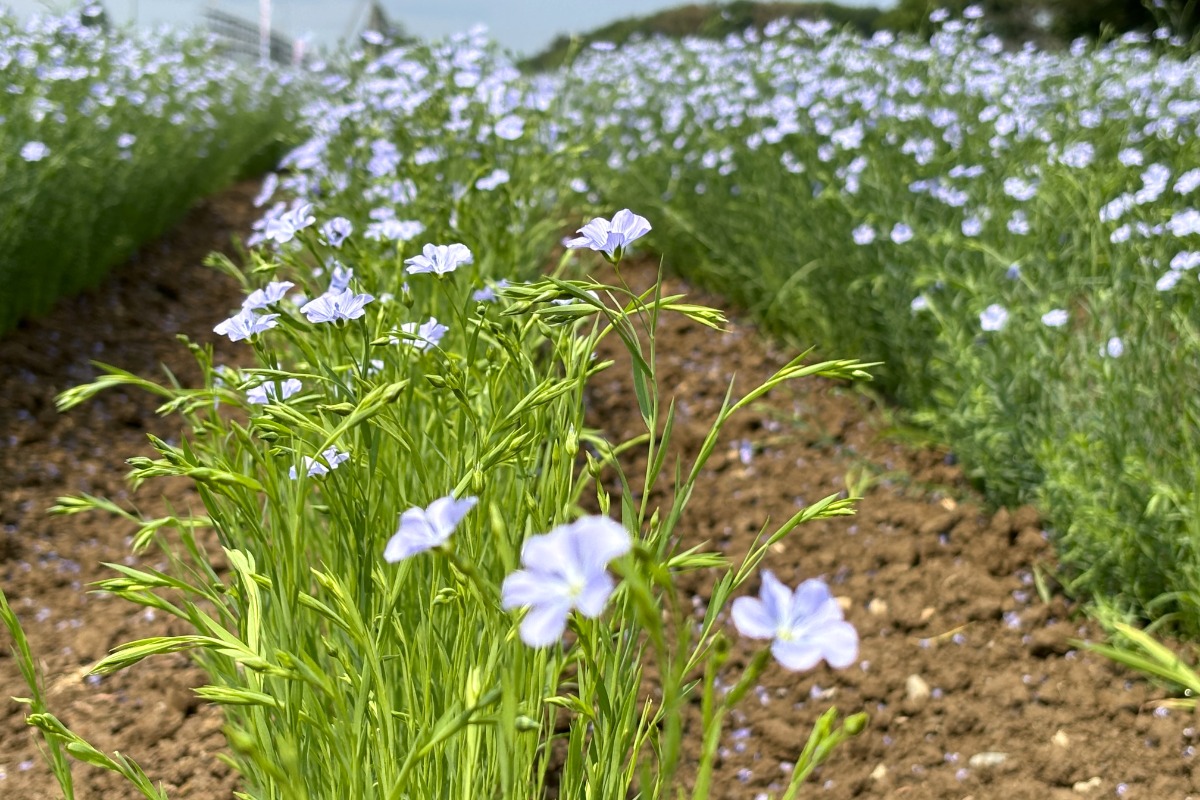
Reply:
x=630 y=225
x=752 y=618
x=797 y=655
x=404 y=544
x=544 y=625
x=528 y=588
x=445 y=513
x=776 y=597
x=548 y=552
x=594 y=541
x=839 y=644
x=809 y=598
x=595 y=594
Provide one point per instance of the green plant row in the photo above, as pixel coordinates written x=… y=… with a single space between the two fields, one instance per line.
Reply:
x=107 y=139
x=1012 y=233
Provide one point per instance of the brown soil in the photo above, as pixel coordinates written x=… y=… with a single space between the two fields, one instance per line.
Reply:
x=938 y=588
x=46 y=563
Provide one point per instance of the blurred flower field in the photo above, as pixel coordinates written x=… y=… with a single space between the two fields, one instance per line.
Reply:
x=108 y=139
x=422 y=577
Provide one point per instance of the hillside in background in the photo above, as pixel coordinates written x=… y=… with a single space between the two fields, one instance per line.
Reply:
x=1047 y=22
x=714 y=21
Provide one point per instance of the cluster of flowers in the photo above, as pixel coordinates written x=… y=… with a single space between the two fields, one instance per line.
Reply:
x=982 y=138
x=115 y=130
x=566 y=570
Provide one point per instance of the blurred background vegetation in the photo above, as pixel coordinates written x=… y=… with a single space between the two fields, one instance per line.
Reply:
x=1049 y=23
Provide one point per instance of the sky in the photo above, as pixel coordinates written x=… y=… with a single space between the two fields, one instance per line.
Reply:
x=523 y=26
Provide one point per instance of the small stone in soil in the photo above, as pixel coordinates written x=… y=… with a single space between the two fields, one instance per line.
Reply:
x=987 y=759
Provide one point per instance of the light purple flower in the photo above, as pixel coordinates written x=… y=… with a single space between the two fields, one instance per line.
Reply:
x=268 y=295
x=1020 y=189
x=498 y=177
x=611 y=238
x=864 y=234
x=510 y=128
x=315 y=468
x=422 y=337
x=331 y=307
x=805 y=626
x=284 y=229
x=245 y=324
x=1168 y=281
x=267 y=392
x=1188 y=181
x=336 y=230
x=1130 y=157
x=423 y=529
x=394 y=230
x=269 y=185
x=1114 y=348
x=1185 y=260
x=488 y=293
x=564 y=569
x=993 y=317
x=339 y=277
x=439 y=259
x=34 y=151
x=1055 y=318
x=901 y=233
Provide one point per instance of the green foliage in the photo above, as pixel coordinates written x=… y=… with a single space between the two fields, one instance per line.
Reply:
x=89 y=203
x=1100 y=432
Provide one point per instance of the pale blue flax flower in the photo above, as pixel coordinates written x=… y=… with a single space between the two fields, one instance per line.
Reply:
x=34 y=151
x=439 y=259
x=267 y=392
x=804 y=626
x=337 y=230
x=993 y=318
x=269 y=295
x=901 y=233
x=315 y=468
x=423 y=336
x=394 y=230
x=611 y=238
x=510 y=128
x=423 y=529
x=488 y=293
x=339 y=277
x=498 y=177
x=245 y=324
x=283 y=229
x=1055 y=318
x=332 y=307
x=269 y=185
x=1168 y=281
x=565 y=569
